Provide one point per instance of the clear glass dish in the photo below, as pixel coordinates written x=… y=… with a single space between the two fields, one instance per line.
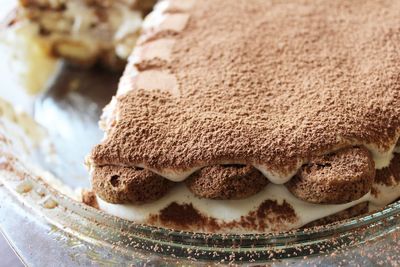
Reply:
x=86 y=235
x=48 y=227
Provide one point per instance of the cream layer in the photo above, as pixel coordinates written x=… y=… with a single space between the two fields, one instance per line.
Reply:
x=228 y=211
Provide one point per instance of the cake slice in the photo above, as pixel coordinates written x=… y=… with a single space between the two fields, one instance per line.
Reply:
x=84 y=32
x=253 y=116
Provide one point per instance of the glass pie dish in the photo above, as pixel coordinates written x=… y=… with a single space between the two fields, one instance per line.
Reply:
x=43 y=142
x=44 y=219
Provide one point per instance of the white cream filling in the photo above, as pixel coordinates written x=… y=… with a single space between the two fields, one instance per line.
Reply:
x=155 y=18
x=386 y=195
x=173 y=175
x=382 y=158
x=232 y=210
x=181 y=175
x=276 y=177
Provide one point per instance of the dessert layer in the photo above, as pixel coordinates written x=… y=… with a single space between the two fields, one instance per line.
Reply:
x=85 y=32
x=352 y=212
x=128 y=185
x=336 y=178
x=272 y=209
x=25 y=55
x=226 y=182
x=284 y=212
x=273 y=89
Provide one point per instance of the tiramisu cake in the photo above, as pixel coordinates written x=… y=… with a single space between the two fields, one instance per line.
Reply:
x=254 y=116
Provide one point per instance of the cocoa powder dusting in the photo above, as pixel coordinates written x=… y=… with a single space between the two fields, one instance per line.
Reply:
x=182 y=215
x=89 y=198
x=276 y=213
x=266 y=82
x=269 y=216
x=390 y=175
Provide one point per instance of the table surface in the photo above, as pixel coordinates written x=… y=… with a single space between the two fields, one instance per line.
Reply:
x=7 y=255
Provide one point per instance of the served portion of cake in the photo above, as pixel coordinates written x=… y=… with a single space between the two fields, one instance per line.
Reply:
x=254 y=116
x=84 y=32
